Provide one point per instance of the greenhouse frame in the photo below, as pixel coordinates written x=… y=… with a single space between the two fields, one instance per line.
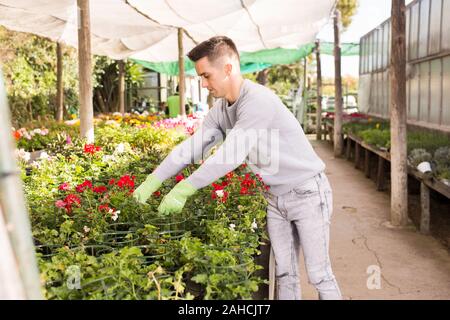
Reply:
x=428 y=66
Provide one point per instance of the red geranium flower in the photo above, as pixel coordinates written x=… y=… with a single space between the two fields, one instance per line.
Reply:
x=244 y=190
x=126 y=181
x=17 y=135
x=248 y=182
x=64 y=186
x=100 y=189
x=103 y=207
x=91 y=148
x=229 y=175
x=157 y=193
x=179 y=178
x=81 y=187
x=217 y=186
x=70 y=200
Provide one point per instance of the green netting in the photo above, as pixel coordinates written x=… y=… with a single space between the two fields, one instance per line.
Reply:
x=347 y=49
x=277 y=55
x=253 y=67
x=258 y=60
x=171 y=68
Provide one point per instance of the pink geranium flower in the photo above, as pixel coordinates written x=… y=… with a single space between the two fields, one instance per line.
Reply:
x=60 y=204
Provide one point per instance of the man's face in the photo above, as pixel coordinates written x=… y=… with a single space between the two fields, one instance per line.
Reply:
x=214 y=76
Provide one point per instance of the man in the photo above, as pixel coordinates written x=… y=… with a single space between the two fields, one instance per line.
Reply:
x=173 y=103
x=260 y=130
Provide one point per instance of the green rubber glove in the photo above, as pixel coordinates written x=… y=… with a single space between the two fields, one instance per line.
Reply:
x=174 y=201
x=145 y=190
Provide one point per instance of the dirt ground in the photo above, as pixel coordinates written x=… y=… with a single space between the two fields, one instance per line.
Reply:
x=370 y=258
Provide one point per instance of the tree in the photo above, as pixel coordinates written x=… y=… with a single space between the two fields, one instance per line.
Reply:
x=343 y=16
x=29 y=66
x=348 y=10
x=106 y=82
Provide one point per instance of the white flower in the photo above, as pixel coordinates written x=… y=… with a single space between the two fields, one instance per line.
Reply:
x=232 y=226
x=44 y=132
x=219 y=193
x=108 y=158
x=114 y=214
x=112 y=123
x=254 y=225
x=120 y=148
x=86 y=229
x=22 y=154
x=36 y=131
x=117 y=114
x=43 y=155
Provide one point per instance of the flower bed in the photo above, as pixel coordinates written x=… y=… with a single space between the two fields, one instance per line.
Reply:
x=94 y=241
x=48 y=134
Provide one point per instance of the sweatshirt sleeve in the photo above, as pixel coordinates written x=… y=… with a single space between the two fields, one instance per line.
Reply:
x=192 y=149
x=254 y=116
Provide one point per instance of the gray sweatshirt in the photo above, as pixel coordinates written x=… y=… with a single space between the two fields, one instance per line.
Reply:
x=257 y=129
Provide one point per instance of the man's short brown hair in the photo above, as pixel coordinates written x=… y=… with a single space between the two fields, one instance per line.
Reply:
x=214 y=48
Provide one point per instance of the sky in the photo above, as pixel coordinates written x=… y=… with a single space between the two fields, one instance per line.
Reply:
x=369 y=15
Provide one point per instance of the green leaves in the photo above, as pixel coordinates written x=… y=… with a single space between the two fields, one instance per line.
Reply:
x=141 y=255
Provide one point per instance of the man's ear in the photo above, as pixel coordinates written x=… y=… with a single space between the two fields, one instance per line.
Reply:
x=228 y=69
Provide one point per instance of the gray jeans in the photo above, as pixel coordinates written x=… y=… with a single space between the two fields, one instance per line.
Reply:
x=301 y=218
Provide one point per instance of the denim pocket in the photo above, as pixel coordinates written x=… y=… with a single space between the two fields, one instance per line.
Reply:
x=307 y=189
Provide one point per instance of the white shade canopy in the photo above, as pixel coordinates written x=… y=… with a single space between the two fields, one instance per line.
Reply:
x=146 y=30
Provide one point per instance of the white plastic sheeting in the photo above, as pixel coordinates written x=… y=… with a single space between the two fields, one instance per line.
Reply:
x=146 y=30
x=117 y=29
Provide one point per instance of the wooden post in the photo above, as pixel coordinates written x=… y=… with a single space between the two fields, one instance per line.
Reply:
x=367 y=163
x=380 y=174
x=425 y=208
x=348 y=148
x=319 y=93
x=121 y=87
x=329 y=131
x=182 y=82
x=11 y=285
x=59 y=83
x=14 y=211
x=357 y=154
x=399 y=173
x=85 y=72
x=338 y=143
